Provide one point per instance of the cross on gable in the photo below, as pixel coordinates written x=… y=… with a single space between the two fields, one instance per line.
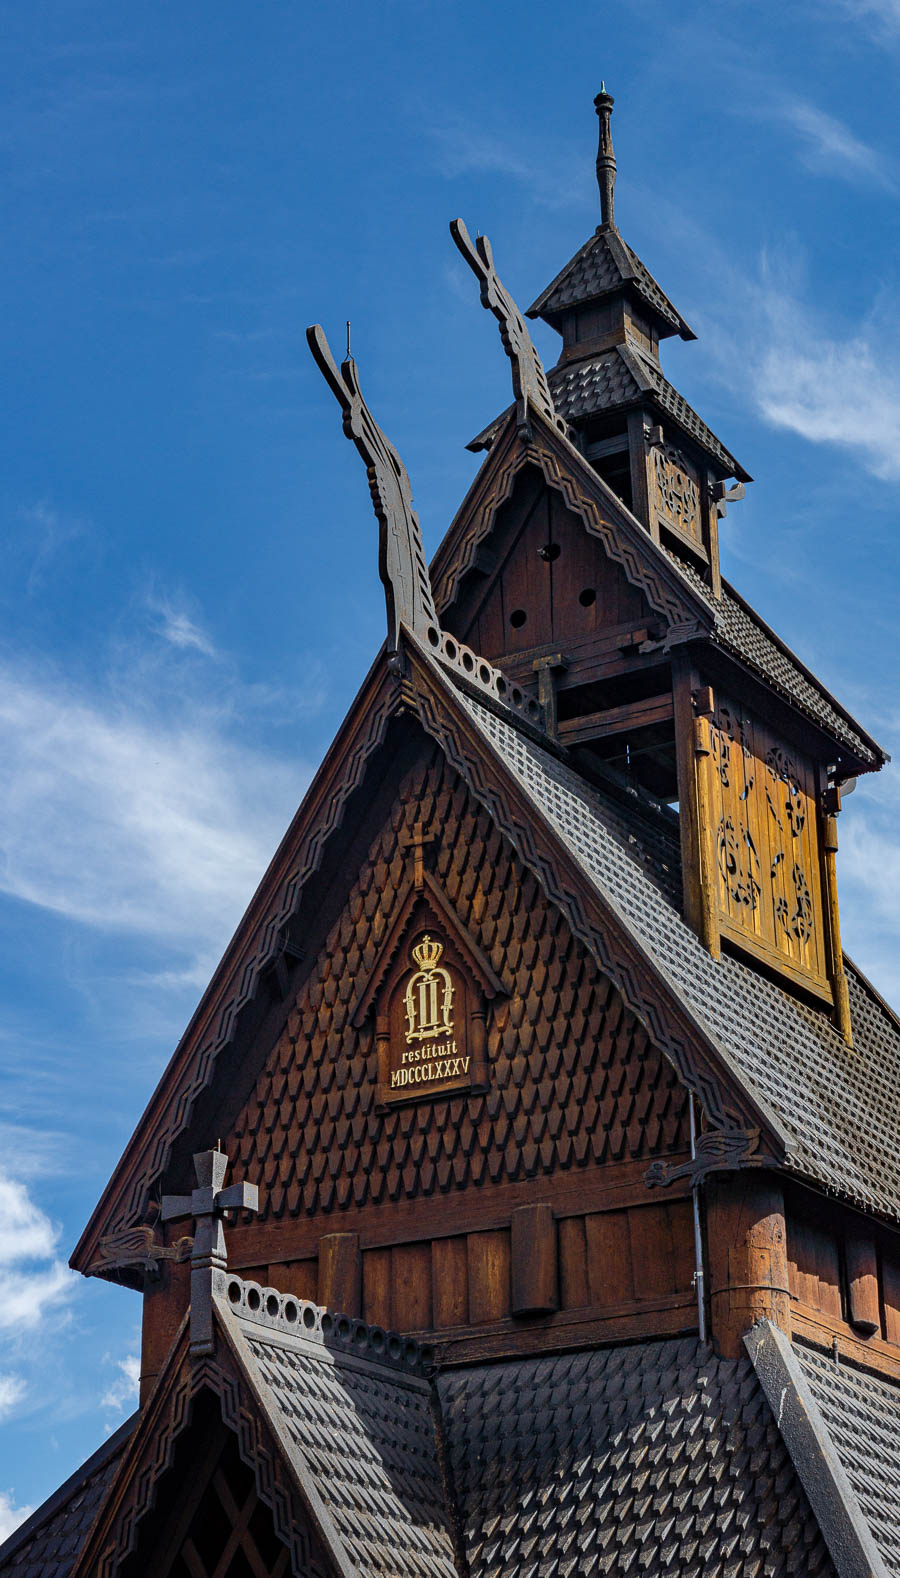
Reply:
x=207 y=1205
x=417 y=841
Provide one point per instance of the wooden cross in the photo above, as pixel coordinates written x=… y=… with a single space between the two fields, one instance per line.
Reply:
x=416 y=841
x=207 y=1205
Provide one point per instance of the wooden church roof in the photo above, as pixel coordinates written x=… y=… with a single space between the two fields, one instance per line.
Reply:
x=657 y=1456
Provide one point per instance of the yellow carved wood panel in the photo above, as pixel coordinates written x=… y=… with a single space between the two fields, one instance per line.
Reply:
x=677 y=491
x=768 y=867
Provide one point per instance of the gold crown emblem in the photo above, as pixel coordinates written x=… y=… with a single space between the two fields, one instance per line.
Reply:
x=427 y=952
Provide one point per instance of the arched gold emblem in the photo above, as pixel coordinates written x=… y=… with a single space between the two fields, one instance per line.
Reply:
x=429 y=994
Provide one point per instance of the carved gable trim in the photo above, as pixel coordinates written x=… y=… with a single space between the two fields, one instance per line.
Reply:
x=604 y=516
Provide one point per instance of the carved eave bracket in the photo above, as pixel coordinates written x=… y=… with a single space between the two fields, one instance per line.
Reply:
x=134 y=1255
x=717 y=1150
x=530 y=385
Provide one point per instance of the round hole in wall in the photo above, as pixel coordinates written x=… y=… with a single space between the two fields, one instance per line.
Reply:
x=517 y=618
x=272 y=1305
x=549 y=552
x=588 y=597
x=254 y=1299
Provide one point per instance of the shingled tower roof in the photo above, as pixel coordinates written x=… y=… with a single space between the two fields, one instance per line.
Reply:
x=612 y=314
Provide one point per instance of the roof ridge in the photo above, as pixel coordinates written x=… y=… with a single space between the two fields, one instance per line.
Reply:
x=313 y=1324
x=834 y=1502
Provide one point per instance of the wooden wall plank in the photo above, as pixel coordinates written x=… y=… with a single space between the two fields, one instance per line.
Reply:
x=488 y=1266
x=652 y=1254
x=299 y=1277
x=828 y=1273
x=890 y=1283
x=573 y=1278
x=340 y=1273
x=610 y=1279
x=534 y=1281
x=681 y=1231
x=411 y=1287
x=376 y=1284
x=803 y=1275
x=449 y=1282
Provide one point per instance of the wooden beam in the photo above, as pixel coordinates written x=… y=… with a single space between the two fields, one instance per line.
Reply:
x=533 y=1268
x=340 y=1273
x=694 y=809
x=617 y=720
x=286 y=1239
x=862 y=1279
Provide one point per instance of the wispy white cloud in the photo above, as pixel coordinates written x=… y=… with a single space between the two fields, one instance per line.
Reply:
x=12 y=1390
x=122 y=1392
x=11 y=1515
x=40 y=534
x=556 y=178
x=828 y=147
x=36 y=1284
x=882 y=15
x=179 y=627
x=840 y=391
x=829 y=383
x=126 y=820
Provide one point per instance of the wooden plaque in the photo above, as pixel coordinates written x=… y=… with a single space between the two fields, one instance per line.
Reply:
x=430 y=1023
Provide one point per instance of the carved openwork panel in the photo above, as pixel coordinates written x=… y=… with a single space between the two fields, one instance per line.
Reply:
x=677 y=491
x=766 y=839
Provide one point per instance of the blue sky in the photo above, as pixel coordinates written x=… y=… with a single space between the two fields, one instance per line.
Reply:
x=189 y=596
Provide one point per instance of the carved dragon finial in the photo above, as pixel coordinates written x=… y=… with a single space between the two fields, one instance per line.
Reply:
x=606 y=160
x=401 y=555
x=529 y=379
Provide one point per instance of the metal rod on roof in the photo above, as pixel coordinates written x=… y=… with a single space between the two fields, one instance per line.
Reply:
x=699 y=1277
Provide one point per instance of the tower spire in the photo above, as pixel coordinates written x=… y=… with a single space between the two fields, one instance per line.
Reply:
x=606 y=160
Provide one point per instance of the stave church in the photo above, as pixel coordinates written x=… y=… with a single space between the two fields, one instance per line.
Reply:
x=523 y=1198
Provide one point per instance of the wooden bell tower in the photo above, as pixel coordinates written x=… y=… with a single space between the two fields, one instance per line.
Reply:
x=642 y=659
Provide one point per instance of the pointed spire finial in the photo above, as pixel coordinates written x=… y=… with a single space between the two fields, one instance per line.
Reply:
x=606 y=160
